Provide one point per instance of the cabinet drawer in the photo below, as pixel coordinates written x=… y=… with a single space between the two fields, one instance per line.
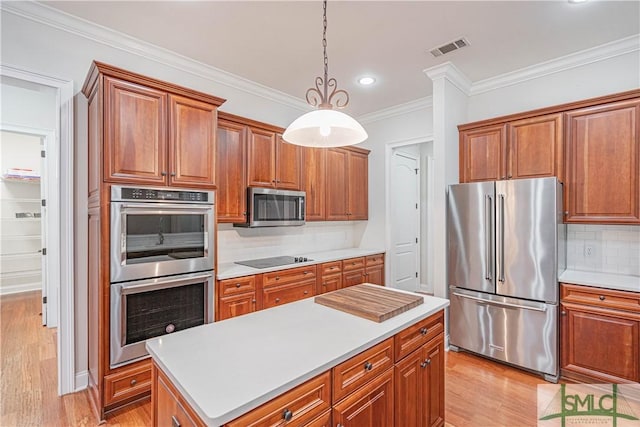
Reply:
x=416 y=335
x=621 y=300
x=375 y=260
x=127 y=384
x=353 y=264
x=297 y=407
x=331 y=267
x=360 y=369
x=291 y=275
x=278 y=295
x=237 y=285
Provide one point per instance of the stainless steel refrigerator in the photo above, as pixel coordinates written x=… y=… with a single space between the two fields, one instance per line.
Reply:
x=506 y=249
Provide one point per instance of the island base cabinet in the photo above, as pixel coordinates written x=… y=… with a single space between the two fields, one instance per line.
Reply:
x=168 y=408
x=369 y=406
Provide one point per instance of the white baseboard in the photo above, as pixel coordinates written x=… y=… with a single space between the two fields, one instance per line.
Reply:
x=81 y=380
x=24 y=287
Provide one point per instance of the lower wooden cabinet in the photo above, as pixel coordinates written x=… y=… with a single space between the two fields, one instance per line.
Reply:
x=600 y=335
x=369 y=406
x=236 y=305
x=168 y=407
x=132 y=381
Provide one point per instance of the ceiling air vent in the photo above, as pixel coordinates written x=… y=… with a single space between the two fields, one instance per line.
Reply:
x=449 y=47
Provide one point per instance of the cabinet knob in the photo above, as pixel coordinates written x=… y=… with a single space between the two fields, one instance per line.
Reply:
x=306 y=292
x=423 y=331
x=324 y=284
x=173 y=174
x=253 y=301
x=287 y=415
x=563 y=313
x=602 y=298
x=425 y=363
x=368 y=366
x=277 y=277
x=244 y=213
x=566 y=212
x=174 y=421
x=509 y=176
x=305 y=272
x=163 y=173
x=133 y=382
x=277 y=299
x=237 y=285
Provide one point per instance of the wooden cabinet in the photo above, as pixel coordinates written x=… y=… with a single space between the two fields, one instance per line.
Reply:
x=350 y=166
x=152 y=136
x=285 y=286
x=600 y=334
x=369 y=406
x=314 y=182
x=271 y=162
x=419 y=372
x=374 y=269
x=237 y=297
x=128 y=383
x=329 y=277
x=353 y=272
x=603 y=164
x=231 y=196
x=301 y=406
x=168 y=407
x=525 y=148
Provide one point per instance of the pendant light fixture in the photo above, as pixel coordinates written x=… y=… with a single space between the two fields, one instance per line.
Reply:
x=325 y=127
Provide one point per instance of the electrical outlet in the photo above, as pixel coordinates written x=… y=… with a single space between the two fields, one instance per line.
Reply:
x=588 y=251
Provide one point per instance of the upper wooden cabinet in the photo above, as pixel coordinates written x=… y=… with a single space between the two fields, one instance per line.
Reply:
x=153 y=132
x=350 y=166
x=231 y=200
x=314 y=162
x=271 y=162
x=603 y=164
x=526 y=148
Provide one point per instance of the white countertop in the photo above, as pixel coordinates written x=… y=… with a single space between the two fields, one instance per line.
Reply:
x=601 y=280
x=230 y=270
x=225 y=369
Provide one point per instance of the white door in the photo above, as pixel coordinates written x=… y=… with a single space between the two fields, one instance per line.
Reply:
x=405 y=221
x=43 y=230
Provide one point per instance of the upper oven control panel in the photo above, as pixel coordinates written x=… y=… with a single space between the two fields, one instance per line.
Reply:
x=146 y=194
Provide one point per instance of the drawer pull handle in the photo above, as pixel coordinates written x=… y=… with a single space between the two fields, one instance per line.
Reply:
x=174 y=421
x=424 y=331
x=425 y=363
x=237 y=285
x=368 y=366
x=305 y=272
x=253 y=300
x=306 y=292
x=601 y=297
x=324 y=284
x=564 y=313
x=287 y=415
x=277 y=300
x=277 y=277
x=133 y=382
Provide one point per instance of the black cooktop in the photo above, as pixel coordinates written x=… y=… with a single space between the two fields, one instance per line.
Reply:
x=273 y=261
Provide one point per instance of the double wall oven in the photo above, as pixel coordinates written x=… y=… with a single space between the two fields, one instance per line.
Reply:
x=162 y=259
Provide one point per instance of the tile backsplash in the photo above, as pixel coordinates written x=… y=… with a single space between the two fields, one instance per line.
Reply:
x=235 y=244
x=604 y=248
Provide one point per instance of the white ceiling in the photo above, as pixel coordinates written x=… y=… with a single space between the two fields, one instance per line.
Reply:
x=278 y=44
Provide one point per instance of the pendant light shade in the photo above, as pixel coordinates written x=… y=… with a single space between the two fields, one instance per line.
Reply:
x=324 y=128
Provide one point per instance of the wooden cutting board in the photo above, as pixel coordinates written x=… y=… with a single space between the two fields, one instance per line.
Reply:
x=370 y=301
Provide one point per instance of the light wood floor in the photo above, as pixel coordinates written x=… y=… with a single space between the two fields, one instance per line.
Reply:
x=479 y=393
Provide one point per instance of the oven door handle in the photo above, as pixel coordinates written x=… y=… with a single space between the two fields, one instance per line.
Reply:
x=161 y=283
x=162 y=208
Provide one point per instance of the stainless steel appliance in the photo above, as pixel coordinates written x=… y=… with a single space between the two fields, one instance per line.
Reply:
x=273 y=261
x=145 y=309
x=162 y=259
x=271 y=208
x=158 y=231
x=506 y=249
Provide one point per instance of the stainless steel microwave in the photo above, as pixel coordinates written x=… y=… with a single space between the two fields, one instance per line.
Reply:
x=273 y=208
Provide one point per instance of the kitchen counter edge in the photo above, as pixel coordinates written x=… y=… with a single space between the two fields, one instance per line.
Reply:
x=619 y=282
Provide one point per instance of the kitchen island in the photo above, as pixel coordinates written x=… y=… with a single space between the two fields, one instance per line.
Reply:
x=301 y=353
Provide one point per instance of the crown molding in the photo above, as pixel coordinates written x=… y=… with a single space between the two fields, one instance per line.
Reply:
x=567 y=62
x=452 y=73
x=397 y=110
x=57 y=19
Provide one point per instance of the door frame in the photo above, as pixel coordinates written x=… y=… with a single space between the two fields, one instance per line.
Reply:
x=64 y=163
x=388 y=155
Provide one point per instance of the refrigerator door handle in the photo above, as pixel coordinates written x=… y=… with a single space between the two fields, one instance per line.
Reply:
x=500 y=238
x=488 y=232
x=501 y=304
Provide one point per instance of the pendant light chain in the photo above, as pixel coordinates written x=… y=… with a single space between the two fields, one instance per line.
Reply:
x=324 y=46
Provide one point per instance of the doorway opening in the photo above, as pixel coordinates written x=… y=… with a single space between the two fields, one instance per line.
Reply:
x=409 y=214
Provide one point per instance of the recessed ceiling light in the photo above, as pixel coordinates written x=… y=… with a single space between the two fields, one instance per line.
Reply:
x=577 y=1
x=366 y=80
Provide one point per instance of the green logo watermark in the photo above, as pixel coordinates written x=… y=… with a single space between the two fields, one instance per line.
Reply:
x=616 y=405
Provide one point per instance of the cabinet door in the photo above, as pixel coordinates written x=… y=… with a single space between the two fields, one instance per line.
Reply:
x=169 y=411
x=313 y=182
x=603 y=150
x=135 y=145
x=231 y=197
x=369 y=406
x=535 y=147
x=433 y=382
x=408 y=390
x=236 y=305
x=337 y=179
x=375 y=275
x=288 y=165
x=358 y=186
x=261 y=158
x=329 y=283
x=353 y=277
x=192 y=143
x=483 y=154
x=601 y=344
